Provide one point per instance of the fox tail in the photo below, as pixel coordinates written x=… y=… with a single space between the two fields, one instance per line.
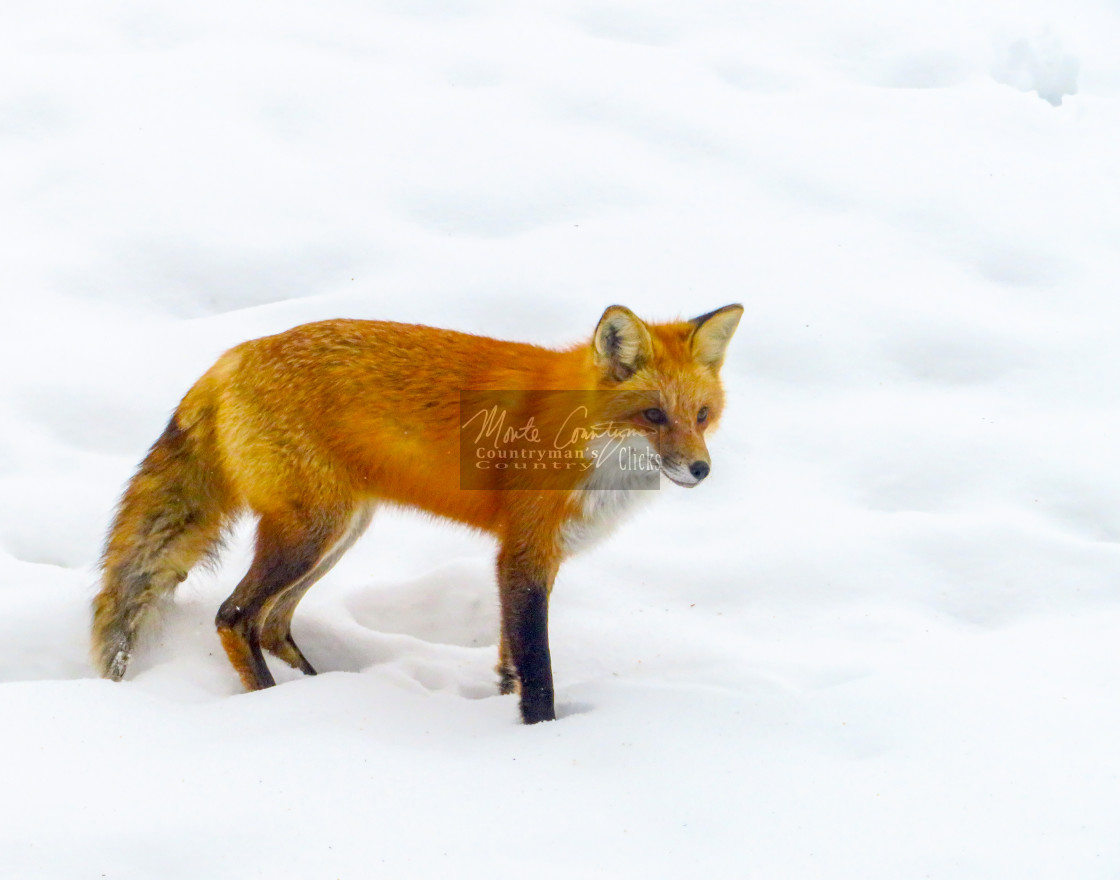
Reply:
x=172 y=515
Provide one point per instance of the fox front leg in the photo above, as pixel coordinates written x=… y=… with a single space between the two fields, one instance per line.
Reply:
x=507 y=675
x=524 y=589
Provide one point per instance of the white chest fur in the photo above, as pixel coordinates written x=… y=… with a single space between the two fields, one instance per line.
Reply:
x=600 y=514
x=612 y=490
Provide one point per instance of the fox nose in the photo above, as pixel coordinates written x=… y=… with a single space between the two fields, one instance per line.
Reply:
x=699 y=469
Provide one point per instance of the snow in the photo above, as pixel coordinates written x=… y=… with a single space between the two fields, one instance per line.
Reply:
x=878 y=642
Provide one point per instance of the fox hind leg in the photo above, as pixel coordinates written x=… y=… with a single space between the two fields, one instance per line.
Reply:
x=276 y=633
x=290 y=547
x=276 y=636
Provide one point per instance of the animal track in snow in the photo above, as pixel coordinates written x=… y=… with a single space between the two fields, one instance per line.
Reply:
x=1038 y=65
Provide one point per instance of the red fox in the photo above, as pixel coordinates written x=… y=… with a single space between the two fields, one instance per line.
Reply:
x=311 y=429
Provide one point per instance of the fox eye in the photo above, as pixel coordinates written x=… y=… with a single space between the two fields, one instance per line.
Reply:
x=702 y=416
x=656 y=415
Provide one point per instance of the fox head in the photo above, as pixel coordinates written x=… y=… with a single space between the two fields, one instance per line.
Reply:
x=680 y=362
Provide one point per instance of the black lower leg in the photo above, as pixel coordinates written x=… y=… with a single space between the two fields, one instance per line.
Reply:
x=260 y=668
x=241 y=638
x=297 y=659
x=527 y=629
x=276 y=634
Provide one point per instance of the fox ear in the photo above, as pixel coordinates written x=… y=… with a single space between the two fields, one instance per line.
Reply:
x=712 y=333
x=621 y=343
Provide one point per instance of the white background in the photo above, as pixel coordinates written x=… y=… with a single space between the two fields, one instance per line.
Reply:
x=879 y=642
